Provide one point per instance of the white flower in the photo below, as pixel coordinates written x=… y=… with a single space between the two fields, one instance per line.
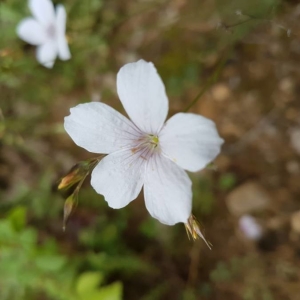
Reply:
x=250 y=228
x=46 y=30
x=144 y=151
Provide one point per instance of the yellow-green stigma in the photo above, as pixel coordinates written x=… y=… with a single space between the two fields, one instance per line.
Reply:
x=154 y=140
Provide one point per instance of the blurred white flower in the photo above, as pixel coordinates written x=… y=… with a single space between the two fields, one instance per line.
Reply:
x=250 y=228
x=144 y=152
x=238 y=12
x=46 y=30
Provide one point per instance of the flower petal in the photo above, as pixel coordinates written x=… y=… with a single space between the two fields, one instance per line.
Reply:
x=99 y=128
x=30 y=31
x=143 y=95
x=43 y=11
x=190 y=140
x=119 y=177
x=167 y=191
x=61 y=18
x=250 y=228
x=46 y=54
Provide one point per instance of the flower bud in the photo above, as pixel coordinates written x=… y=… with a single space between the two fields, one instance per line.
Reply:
x=68 y=207
x=77 y=173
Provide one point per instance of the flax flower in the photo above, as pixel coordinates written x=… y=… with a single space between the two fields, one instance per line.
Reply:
x=144 y=151
x=46 y=30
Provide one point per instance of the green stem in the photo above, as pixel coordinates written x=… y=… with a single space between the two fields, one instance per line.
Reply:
x=211 y=80
x=92 y=165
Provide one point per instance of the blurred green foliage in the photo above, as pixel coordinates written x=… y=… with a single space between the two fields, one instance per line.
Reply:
x=227 y=181
x=203 y=196
x=30 y=268
x=234 y=270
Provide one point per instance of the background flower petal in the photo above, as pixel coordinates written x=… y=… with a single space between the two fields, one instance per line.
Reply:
x=62 y=44
x=143 y=95
x=30 y=31
x=250 y=228
x=46 y=54
x=167 y=191
x=99 y=128
x=119 y=177
x=190 y=140
x=43 y=11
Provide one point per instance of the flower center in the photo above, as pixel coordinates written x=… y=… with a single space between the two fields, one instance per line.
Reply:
x=51 y=31
x=154 y=140
x=146 y=146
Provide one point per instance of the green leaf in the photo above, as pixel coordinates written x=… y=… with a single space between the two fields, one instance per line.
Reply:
x=50 y=263
x=28 y=238
x=7 y=234
x=17 y=217
x=88 y=282
x=111 y=292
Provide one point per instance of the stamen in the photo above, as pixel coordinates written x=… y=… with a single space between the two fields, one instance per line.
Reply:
x=146 y=144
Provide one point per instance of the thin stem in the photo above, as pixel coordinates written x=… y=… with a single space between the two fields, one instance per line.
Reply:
x=238 y=23
x=94 y=162
x=211 y=80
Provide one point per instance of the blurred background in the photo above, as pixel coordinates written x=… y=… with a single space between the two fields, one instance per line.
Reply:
x=245 y=56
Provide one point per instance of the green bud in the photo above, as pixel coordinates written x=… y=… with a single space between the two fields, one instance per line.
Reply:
x=70 y=203
x=77 y=173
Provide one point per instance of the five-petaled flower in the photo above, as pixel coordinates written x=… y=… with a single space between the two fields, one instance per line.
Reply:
x=46 y=30
x=144 y=151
